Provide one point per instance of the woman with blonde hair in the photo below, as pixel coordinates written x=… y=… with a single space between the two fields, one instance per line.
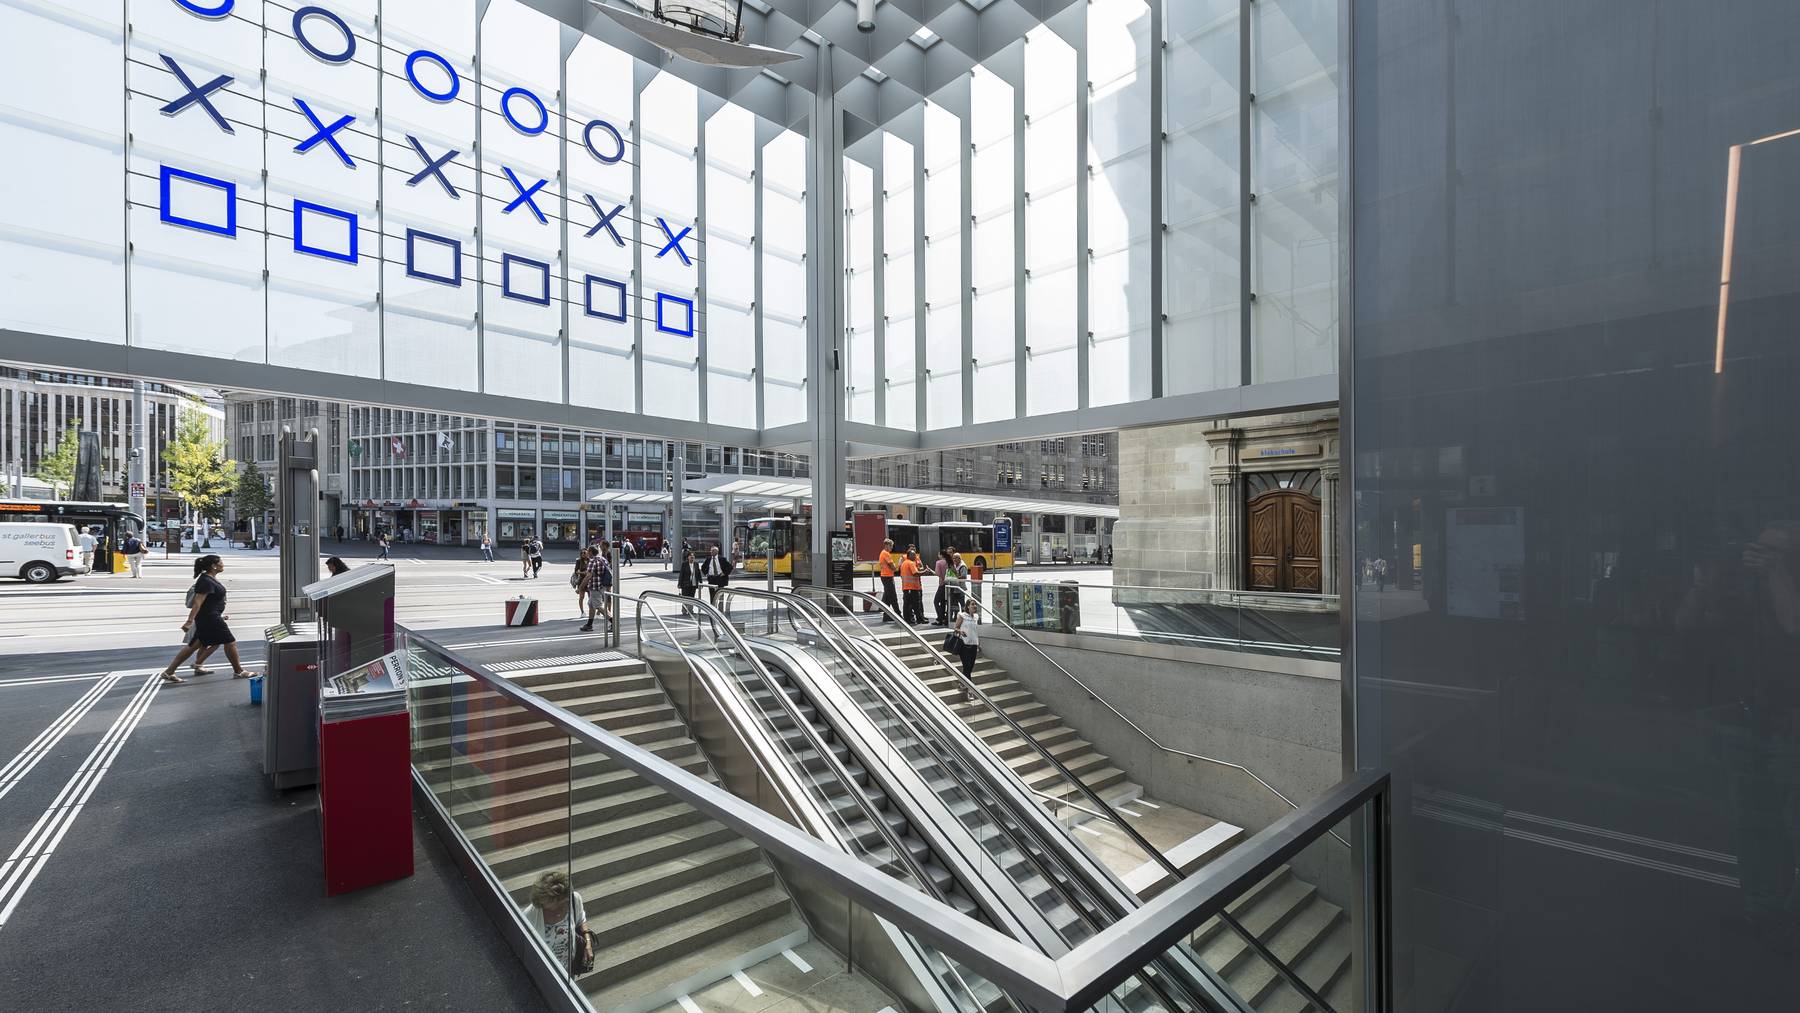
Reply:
x=557 y=915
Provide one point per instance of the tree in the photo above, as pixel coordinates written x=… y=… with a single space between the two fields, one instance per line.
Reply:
x=253 y=495
x=58 y=468
x=198 y=472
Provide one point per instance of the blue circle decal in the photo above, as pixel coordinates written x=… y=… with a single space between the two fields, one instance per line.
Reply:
x=412 y=75
x=587 y=139
x=218 y=10
x=302 y=15
x=506 y=110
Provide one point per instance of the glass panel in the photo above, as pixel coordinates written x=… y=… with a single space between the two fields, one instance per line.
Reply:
x=521 y=241
x=1118 y=158
x=1051 y=162
x=859 y=292
x=429 y=281
x=202 y=246
x=784 y=280
x=994 y=187
x=943 y=268
x=1294 y=155
x=602 y=298
x=1202 y=347
x=60 y=266
x=731 y=267
x=899 y=224
x=324 y=237
x=669 y=300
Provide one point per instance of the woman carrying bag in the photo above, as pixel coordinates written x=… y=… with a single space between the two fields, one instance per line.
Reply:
x=967 y=634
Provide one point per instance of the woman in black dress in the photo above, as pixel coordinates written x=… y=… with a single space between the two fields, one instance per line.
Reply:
x=207 y=619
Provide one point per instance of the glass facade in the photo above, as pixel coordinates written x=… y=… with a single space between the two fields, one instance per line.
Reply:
x=399 y=190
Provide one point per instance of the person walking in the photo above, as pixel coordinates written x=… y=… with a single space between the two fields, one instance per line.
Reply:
x=134 y=553
x=487 y=547
x=578 y=579
x=381 y=543
x=598 y=583
x=689 y=578
x=958 y=577
x=525 y=559
x=944 y=591
x=968 y=642
x=912 y=586
x=718 y=573
x=626 y=552
x=537 y=557
x=207 y=619
x=886 y=564
x=87 y=548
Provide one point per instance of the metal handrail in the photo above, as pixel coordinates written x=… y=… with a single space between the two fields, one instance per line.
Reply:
x=1081 y=786
x=1133 y=725
x=1070 y=983
x=853 y=788
x=1013 y=577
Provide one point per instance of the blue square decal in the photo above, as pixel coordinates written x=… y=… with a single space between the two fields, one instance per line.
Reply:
x=344 y=250
x=666 y=320
x=179 y=184
x=433 y=257
x=533 y=279
x=610 y=292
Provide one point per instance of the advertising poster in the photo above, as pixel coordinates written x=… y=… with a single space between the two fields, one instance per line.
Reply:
x=1484 y=551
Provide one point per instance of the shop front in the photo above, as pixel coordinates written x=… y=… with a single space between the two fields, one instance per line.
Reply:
x=516 y=526
x=474 y=524
x=562 y=527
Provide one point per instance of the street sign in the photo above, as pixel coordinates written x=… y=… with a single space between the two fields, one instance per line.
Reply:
x=138 y=490
x=1003 y=534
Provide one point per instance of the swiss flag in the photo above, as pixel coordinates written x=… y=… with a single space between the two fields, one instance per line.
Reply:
x=399 y=446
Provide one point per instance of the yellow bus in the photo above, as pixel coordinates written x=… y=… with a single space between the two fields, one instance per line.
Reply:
x=766 y=537
x=975 y=542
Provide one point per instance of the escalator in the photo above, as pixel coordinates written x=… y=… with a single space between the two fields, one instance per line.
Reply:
x=1024 y=874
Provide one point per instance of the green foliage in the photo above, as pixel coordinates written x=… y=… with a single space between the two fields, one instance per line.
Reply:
x=198 y=472
x=58 y=468
x=253 y=497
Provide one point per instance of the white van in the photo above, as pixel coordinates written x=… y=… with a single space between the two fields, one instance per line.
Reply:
x=39 y=552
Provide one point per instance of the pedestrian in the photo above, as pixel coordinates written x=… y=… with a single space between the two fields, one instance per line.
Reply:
x=718 y=573
x=134 y=552
x=690 y=577
x=537 y=557
x=598 y=582
x=887 y=563
x=665 y=553
x=336 y=567
x=525 y=559
x=578 y=577
x=959 y=583
x=913 y=588
x=626 y=552
x=340 y=532
x=381 y=543
x=941 y=567
x=207 y=619
x=487 y=547
x=968 y=642
x=87 y=548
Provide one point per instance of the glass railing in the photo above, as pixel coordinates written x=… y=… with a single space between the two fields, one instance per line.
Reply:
x=1291 y=625
x=523 y=792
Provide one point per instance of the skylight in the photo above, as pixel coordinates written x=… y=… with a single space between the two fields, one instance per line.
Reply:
x=924 y=38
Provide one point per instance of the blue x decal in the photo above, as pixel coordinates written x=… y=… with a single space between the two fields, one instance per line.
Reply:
x=433 y=166
x=674 y=242
x=606 y=219
x=524 y=196
x=196 y=93
x=321 y=132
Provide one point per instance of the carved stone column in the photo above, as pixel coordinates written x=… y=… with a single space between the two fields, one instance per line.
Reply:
x=1328 y=519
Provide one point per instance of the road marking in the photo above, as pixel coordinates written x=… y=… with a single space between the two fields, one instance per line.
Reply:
x=798 y=961
x=749 y=986
x=33 y=853
x=688 y=1004
x=29 y=757
x=45 y=680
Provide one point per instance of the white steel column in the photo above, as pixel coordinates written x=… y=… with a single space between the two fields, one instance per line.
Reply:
x=825 y=313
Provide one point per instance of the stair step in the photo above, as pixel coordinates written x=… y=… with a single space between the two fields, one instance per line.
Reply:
x=688 y=943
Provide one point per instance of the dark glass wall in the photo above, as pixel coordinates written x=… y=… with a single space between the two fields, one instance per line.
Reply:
x=1583 y=659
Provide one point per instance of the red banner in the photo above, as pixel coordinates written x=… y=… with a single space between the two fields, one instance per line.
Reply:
x=870 y=529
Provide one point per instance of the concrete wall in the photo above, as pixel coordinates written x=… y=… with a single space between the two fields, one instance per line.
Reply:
x=1276 y=716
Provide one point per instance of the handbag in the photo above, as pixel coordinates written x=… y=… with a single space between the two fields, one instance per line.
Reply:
x=585 y=948
x=952 y=642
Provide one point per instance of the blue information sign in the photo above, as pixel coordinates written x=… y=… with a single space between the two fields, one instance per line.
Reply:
x=1003 y=534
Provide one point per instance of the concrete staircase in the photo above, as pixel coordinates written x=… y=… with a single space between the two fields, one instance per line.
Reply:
x=1304 y=930
x=1077 y=754
x=677 y=900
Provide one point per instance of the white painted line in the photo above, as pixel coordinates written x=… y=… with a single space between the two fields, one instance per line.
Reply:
x=20 y=765
x=1145 y=801
x=798 y=961
x=1084 y=829
x=1128 y=812
x=749 y=986
x=688 y=1004
x=33 y=853
x=50 y=680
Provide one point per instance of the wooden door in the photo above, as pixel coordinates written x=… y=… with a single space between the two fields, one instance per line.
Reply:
x=1284 y=534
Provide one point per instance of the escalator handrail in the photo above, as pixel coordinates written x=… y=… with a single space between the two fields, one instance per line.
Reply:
x=928 y=883
x=1110 y=813
x=811 y=734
